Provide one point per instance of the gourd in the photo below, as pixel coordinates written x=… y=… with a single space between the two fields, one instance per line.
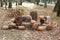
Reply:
x=41 y=19
x=41 y=16
x=21 y=27
x=5 y=27
x=41 y=28
x=33 y=21
x=54 y=24
x=48 y=26
x=35 y=25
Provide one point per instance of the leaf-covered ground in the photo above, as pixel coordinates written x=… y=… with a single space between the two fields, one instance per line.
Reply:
x=30 y=34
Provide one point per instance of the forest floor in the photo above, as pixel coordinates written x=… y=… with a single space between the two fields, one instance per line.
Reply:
x=30 y=34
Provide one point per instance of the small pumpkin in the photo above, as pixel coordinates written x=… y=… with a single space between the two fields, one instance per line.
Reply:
x=12 y=25
x=35 y=25
x=48 y=26
x=41 y=17
x=21 y=27
x=41 y=28
x=33 y=21
x=54 y=24
x=5 y=27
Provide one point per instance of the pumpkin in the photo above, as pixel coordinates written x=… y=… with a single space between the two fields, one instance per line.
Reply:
x=12 y=25
x=33 y=21
x=48 y=26
x=41 y=17
x=41 y=28
x=35 y=25
x=21 y=27
x=5 y=27
x=54 y=24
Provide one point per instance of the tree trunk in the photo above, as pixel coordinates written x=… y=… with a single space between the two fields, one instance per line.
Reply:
x=57 y=6
x=16 y=4
x=37 y=1
x=20 y=2
x=10 y=4
x=1 y=3
x=5 y=4
x=45 y=1
x=58 y=12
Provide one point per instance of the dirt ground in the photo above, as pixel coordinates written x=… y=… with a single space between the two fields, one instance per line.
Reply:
x=14 y=34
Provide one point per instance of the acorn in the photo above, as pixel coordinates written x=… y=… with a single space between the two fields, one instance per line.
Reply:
x=41 y=28
x=21 y=27
x=49 y=27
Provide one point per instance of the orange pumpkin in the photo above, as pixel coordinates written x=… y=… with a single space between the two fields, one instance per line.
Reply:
x=48 y=26
x=41 y=28
x=35 y=25
x=41 y=17
x=21 y=27
x=54 y=22
x=5 y=27
x=33 y=21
